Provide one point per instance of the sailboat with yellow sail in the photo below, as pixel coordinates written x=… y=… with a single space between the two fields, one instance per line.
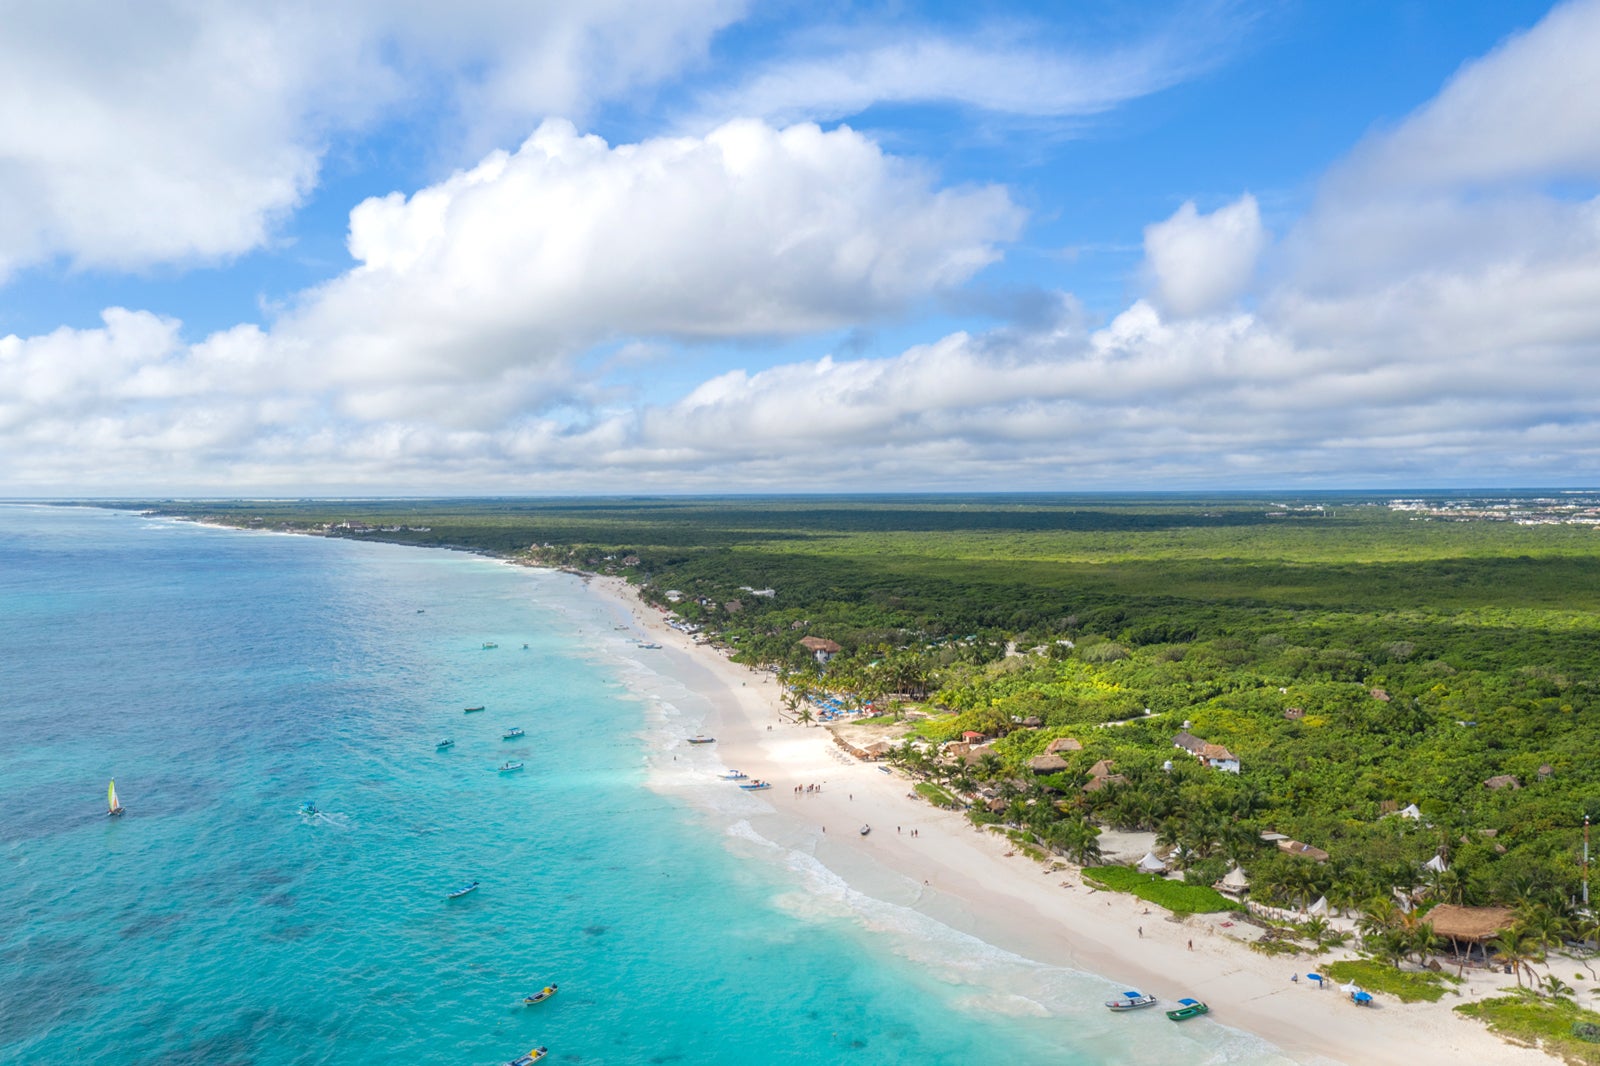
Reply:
x=113 y=808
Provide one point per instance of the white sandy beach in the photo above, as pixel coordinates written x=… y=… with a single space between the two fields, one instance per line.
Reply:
x=972 y=884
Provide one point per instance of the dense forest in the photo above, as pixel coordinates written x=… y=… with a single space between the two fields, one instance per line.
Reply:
x=1355 y=658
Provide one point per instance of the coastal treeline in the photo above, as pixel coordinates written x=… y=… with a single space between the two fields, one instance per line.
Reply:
x=1397 y=691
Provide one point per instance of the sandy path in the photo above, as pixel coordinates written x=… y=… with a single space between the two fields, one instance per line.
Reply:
x=971 y=884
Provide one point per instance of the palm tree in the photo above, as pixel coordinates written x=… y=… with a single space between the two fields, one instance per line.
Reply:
x=1077 y=839
x=1516 y=950
x=1587 y=928
x=1316 y=928
x=1555 y=987
x=1377 y=916
x=1421 y=941
x=1545 y=928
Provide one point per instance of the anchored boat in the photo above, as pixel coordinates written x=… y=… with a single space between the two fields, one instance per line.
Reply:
x=1188 y=1008
x=540 y=996
x=445 y=742
x=509 y=768
x=462 y=890
x=530 y=1058
x=472 y=710
x=1131 y=1000
x=513 y=734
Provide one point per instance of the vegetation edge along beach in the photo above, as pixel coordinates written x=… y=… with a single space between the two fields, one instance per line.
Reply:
x=1327 y=715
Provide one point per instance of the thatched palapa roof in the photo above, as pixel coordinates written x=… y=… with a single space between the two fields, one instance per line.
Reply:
x=1061 y=744
x=1476 y=924
x=821 y=644
x=1047 y=764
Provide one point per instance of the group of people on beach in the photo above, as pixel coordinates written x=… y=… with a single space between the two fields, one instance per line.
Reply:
x=800 y=789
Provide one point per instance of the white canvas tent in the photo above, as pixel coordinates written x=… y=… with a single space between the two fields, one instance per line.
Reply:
x=1151 y=864
x=1411 y=812
x=1436 y=864
x=1234 y=881
x=1319 y=907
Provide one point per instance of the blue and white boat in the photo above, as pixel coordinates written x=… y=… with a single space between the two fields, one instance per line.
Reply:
x=513 y=734
x=1131 y=1000
x=509 y=768
x=462 y=890
x=445 y=742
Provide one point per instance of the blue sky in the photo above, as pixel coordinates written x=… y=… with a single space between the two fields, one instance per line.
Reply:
x=703 y=245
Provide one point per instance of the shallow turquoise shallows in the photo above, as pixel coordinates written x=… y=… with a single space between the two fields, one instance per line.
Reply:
x=225 y=679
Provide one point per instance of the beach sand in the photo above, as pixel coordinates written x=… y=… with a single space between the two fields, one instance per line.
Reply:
x=971 y=883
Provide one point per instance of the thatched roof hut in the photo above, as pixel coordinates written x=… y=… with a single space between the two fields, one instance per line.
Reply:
x=1471 y=924
x=1060 y=744
x=1294 y=847
x=1499 y=781
x=1047 y=764
x=822 y=644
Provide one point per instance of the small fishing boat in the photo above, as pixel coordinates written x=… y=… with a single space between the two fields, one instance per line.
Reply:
x=509 y=768
x=1186 y=1009
x=866 y=829
x=734 y=775
x=530 y=1058
x=540 y=996
x=445 y=742
x=488 y=644
x=756 y=786
x=309 y=809
x=1131 y=1000
x=701 y=738
x=462 y=890
x=113 y=808
x=472 y=710
x=524 y=647
x=650 y=647
x=513 y=734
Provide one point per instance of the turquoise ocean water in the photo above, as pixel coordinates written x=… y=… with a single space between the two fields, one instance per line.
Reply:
x=226 y=678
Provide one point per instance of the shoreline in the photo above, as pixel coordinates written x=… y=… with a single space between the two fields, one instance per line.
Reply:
x=973 y=881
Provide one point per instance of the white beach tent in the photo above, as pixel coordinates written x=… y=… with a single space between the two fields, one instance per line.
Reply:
x=1436 y=864
x=1151 y=864
x=1319 y=907
x=1411 y=812
x=1235 y=881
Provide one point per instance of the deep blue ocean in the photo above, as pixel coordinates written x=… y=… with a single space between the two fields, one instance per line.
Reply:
x=225 y=678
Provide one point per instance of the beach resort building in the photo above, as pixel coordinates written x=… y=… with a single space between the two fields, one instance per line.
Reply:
x=1213 y=755
x=820 y=647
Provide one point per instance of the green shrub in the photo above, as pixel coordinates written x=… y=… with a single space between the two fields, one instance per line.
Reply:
x=1408 y=986
x=1550 y=1023
x=1175 y=896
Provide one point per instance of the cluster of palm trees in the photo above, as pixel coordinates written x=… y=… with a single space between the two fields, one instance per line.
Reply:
x=1028 y=805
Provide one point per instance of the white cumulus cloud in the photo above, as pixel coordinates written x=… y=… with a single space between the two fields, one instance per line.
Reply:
x=175 y=132
x=1199 y=263
x=531 y=256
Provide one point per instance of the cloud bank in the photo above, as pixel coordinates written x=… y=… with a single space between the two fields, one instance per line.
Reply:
x=1429 y=318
